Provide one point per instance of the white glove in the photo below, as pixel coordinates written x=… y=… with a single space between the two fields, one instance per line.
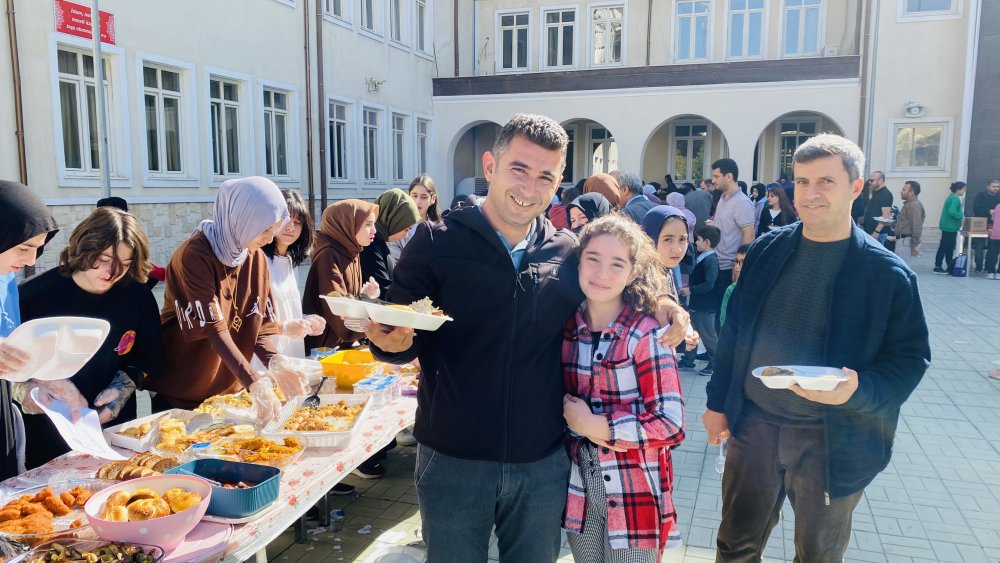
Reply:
x=11 y=359
x=317 y=324
x=370 y=288
x=296 y=329
x=61 y=389
x=114 y=397
x=291 y=382
x=264 y=400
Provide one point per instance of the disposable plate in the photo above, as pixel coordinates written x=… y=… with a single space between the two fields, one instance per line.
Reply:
x=58 y=346
x=398 y=317
x=815 y=378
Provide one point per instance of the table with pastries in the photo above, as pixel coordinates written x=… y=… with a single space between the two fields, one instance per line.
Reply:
x=303 y=484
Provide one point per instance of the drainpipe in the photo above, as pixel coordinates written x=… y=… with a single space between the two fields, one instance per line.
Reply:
x=869 y=100
x=22 y=159
x=102 y=112
x=320 y=91
x=309 y=114
x=475 y=37
x=454 y=34
x=969 y=88
x=649 y=28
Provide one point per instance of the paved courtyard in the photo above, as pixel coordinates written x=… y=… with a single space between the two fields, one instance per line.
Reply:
x=939 y=500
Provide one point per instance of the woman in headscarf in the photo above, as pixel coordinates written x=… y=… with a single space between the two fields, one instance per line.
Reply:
x=397 y=212
x=102 y=274
x=217 y=310
x=586 y=208
x=606 y=185
x=25 y=227
x=676 y=200
x=423 y=192
x=346 y=228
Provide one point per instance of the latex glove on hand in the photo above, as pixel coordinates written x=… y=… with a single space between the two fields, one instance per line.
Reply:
x=370 y=288
x=111 y=401
x=291 y=382
x=12 y=359
x=296 y=329
x=317 y=324
x=62 y=390
x=264 y=400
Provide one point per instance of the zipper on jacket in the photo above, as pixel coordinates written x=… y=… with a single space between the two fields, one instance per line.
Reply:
x=506 y=403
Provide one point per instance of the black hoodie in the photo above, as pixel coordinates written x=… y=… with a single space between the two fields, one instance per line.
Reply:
x=491 y=384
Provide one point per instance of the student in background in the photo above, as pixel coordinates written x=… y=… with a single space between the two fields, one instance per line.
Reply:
x=705 y=300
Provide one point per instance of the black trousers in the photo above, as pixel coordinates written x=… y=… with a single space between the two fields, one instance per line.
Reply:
x=946 y=250
x=764 y=465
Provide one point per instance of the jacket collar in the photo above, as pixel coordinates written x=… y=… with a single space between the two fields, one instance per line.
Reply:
x=472 y=218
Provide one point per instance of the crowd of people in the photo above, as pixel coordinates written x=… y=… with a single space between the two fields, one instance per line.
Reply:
x=552 y=400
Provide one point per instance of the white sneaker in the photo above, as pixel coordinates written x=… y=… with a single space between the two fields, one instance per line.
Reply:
x=405 y=437
x=991 y=276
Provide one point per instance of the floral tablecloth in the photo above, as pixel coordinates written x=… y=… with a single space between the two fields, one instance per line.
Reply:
x=303 y=483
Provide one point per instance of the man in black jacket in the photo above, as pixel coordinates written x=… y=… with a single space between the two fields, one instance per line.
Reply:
x=983 y=206
x=489 y=418
x=822 y=294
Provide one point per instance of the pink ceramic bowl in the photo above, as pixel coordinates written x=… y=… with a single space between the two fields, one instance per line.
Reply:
x=167 y=531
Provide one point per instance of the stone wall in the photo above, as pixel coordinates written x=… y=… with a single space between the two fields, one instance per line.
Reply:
x=166 y=225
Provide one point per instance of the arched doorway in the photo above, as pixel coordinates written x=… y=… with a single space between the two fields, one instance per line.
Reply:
x=777 y=143
x=467 y=157
x=684 y=147
x=592 y=149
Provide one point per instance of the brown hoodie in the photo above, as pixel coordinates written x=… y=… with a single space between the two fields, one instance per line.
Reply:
x=336 y=266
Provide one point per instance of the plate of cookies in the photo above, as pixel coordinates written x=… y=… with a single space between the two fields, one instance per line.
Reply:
x=46 y=512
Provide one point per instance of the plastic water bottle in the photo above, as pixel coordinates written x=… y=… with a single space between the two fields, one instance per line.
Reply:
x=336 y=520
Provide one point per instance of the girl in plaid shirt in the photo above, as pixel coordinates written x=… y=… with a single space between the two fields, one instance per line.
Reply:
x=623 y=402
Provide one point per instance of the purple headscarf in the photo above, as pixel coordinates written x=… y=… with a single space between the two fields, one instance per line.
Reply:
x=676 y=199
x=244 y=208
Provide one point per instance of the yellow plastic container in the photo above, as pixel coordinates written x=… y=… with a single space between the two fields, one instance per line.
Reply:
x=349 y=366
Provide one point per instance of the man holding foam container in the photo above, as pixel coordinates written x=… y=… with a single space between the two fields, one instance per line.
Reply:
x=821 y=294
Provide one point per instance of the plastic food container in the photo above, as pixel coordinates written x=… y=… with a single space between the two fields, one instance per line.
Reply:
x=155 y=552
x=60 y=524
x=168 y=531
x=350 y=366
x=381 y=388
x=144 y=444
x=815 y=378
x=235 y=503
x=324 y=439
x=220 y=450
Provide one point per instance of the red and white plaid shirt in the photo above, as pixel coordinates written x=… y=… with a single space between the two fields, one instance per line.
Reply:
x=632 y=380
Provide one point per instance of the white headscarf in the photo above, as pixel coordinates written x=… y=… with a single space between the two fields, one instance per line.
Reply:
x=244 y=208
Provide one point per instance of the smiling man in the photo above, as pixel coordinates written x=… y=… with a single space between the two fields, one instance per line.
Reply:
x=489 y=420
x=822 y=294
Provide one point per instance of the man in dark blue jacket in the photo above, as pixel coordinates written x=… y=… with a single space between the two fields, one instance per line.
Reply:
x=489 y=419
x=816 y=293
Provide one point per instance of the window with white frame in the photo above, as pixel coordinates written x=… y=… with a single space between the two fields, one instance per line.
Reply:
x=691 y=143
x=919 y=146
x=370 y=141
x=397 y=16
x=337 y=130
x=791 y=134
x=603 y=150
x=607 y=35
x=514 y=41
x=371 y=16
x=692 y=28
x=78 y=109
x=398 y=148
x=224 y=116
x=929 y=9
x=276 y=124
x=336 y=8
x=162 y=101
x=560 y=30
x=421 y=16
x=746 y=28
x=802 y=27
x=423 y=145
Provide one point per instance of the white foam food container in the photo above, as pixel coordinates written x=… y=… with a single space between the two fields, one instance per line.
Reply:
x=814 y=378
x=57 y=346
x=323 y=439
x=398 y=317
x=145 y=443
x=346 y=307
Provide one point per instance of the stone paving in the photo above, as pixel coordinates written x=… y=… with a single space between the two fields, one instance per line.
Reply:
x=939 y=500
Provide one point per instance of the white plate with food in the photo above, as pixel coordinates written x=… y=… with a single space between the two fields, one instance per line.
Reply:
x=333 y=424
x=58 y=346
x=347 y=307
x=815 y=378
x=420 y=315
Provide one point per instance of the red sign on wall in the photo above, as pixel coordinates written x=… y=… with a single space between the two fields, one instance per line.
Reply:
x=74 y=19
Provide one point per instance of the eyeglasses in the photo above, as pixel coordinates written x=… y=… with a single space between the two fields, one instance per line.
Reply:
x=737 y=262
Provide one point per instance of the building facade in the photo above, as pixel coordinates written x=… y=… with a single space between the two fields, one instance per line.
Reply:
x=667 y=87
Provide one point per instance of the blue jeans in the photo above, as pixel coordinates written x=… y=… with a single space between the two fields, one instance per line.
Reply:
x=461 y=500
